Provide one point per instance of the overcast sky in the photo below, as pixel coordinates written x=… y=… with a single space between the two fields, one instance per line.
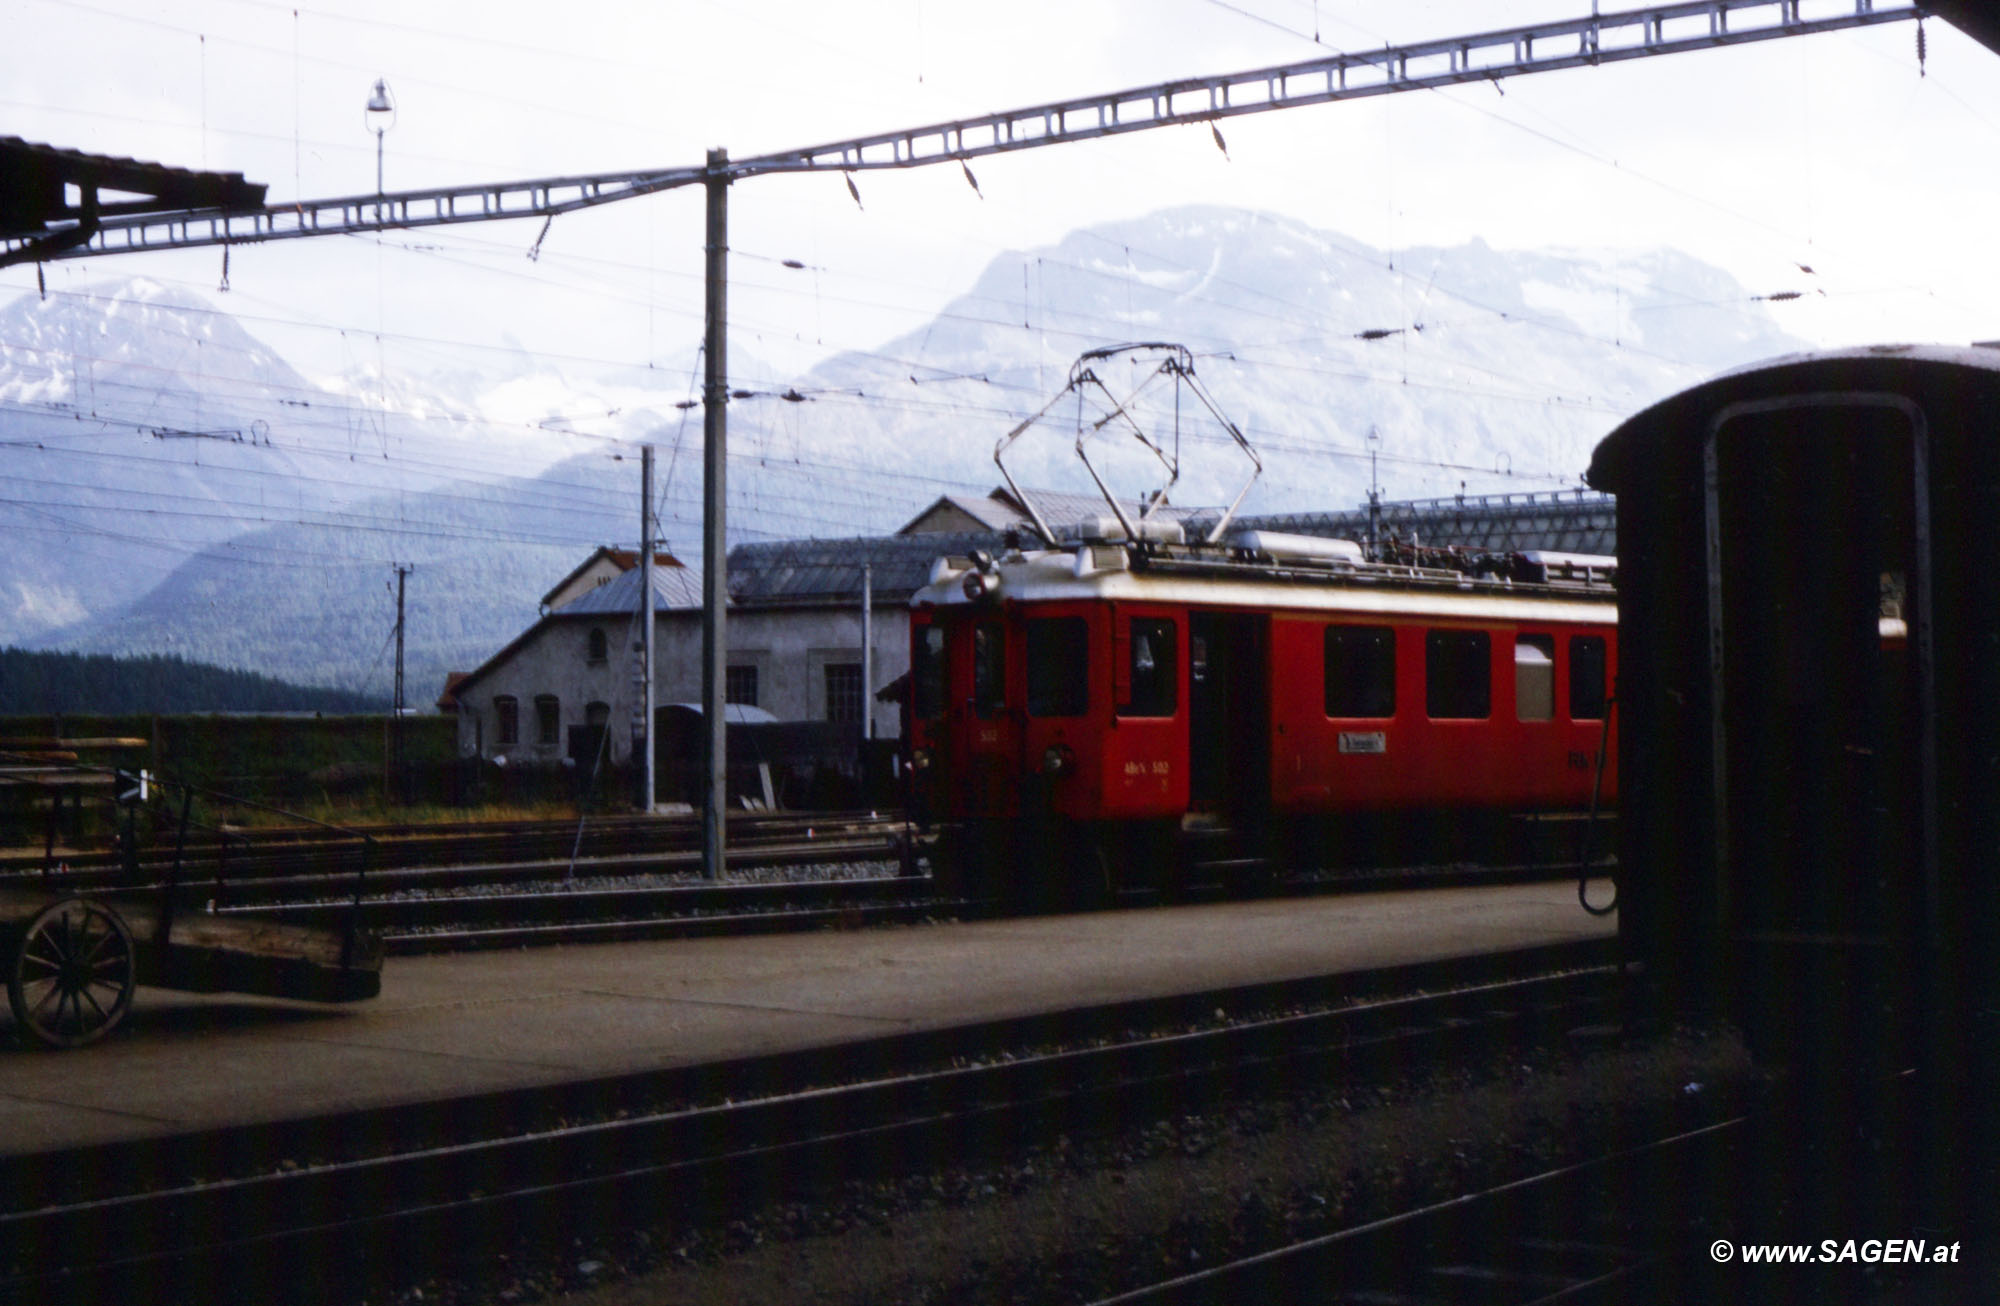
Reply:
x=1830 y=153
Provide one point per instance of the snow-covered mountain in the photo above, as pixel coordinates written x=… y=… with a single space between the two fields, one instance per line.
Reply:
x=1471 y=364
x=176 y=486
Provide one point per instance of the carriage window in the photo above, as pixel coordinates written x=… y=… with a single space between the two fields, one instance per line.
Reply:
x=989 y=668
x=1155 y=672
x=1535 y=678
x=1458 y=674
x=1058 y=667
x=1586 y=677
x=1360 y=671
x=928 y=675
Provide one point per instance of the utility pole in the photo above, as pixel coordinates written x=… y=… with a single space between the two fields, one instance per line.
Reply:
x=714 y=536
x=646 y=619
x=867 y=653
x=399 y=775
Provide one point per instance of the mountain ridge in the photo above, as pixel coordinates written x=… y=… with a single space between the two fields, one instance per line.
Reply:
x=1436 y=370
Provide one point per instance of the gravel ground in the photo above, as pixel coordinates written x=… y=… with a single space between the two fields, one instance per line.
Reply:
x=1135 y=1201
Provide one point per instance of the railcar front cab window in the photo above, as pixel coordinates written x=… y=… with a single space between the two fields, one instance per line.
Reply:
x=1058 y=667
x=1155 y=682
x=928 y=675
x=989 y=669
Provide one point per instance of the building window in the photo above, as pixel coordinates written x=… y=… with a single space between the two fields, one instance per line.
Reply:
x=1586 y=677
x=507 y=721
x=600 y=647
x=927 y=676
x=1360 y=671
x=1155 y=671
x=1535 y=678
x=1058 y=666
x=548 y=720
x=739 y=685
x=843 y=692
x=1458 y=674
x=989 y=668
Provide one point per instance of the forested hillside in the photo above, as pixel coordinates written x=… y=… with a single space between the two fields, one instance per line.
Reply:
x=41 y=684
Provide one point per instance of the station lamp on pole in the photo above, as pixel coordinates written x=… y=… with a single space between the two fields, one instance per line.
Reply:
x=381 y=116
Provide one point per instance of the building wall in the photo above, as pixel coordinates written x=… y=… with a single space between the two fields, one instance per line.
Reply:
x=790 y=648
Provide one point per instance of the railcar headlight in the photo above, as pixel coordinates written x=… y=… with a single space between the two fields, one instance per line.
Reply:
x=920 y=760
x=1057 y=759
x=977 y=585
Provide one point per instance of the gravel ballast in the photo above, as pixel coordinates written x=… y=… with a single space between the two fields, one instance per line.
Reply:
x=1129 y=1202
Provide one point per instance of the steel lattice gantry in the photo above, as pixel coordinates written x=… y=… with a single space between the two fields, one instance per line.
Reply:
x=1579 y=42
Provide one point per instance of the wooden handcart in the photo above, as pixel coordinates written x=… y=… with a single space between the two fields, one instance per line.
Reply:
x=73 y=962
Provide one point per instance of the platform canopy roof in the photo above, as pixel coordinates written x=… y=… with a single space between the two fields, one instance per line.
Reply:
x=61 y=195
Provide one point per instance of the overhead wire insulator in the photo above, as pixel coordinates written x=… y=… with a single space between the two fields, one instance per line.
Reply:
x=1920 y=48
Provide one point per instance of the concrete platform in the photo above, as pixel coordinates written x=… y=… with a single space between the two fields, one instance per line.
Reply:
x=451 y=1026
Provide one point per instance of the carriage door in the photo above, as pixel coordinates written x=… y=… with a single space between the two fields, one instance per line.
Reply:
x=1229 y=712
x=1820 y=676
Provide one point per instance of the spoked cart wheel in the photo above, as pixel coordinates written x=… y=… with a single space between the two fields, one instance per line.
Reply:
x=72 y=978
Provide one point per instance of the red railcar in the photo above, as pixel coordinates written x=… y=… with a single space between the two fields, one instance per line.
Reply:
x=1080 y=714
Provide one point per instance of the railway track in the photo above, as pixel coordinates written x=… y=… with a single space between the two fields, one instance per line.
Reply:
x=253 y=853
x=808 y=871
x=1641 y=1226
x=344 y=1205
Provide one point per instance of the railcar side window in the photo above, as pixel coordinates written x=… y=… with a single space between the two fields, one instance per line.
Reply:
x=1535 y=677
x=1586 y=677
x=989 y=668
x=1458 y=674
x=1155 y=672
x=927 y=676
x=1058 y=666
x=1360 y=671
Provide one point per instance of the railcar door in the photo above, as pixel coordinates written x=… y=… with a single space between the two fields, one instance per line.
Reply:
x=1818 y=555
x=1229 y=714
x=985 y=733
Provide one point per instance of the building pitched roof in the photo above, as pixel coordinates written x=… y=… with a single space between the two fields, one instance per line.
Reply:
x=994 y=512
x=673 y=587
x=808 y=570
x=623 y=559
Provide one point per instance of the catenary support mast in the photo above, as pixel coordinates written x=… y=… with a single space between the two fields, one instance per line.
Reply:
x=714 y=539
